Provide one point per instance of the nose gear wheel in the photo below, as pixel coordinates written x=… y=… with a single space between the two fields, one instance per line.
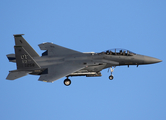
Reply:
x=111 y=76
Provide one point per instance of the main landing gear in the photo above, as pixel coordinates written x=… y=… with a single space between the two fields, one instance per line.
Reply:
x=67 y=81
x=111 y=76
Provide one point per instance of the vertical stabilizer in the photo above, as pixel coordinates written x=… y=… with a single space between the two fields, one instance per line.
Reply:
x=20 y=41
x=24 y=60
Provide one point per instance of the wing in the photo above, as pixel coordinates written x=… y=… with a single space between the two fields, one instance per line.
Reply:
x=58 y=71
x=56 y=50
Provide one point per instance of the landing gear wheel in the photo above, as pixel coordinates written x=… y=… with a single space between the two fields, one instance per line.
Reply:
x=111 y=69
x=111 y=77
x=67 y=82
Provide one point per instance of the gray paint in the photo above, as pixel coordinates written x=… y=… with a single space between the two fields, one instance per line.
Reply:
x=60 y=61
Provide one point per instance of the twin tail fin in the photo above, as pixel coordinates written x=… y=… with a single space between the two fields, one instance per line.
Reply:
x=24 y=58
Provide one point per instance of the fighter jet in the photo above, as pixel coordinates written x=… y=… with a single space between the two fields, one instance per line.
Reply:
x=57 y=61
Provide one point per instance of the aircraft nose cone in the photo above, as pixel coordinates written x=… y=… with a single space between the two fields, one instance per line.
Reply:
x=150 y=60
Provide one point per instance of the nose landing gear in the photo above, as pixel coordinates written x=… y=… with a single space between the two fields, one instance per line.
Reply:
x=111 y=76
x=67 y=81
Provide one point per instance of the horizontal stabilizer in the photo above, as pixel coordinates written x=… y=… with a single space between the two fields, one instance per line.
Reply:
x=11 y=57
x=16 y=74
x=56 y=50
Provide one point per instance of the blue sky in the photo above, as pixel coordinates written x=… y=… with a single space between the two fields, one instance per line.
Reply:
x=86 y=26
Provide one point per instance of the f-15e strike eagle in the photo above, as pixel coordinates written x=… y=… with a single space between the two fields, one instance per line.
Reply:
x=57 y=61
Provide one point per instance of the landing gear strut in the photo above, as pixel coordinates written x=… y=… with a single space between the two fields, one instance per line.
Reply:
x=67 y=81
x=111 y=76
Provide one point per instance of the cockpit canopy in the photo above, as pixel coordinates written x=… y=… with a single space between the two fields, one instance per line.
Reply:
x=118 y=51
